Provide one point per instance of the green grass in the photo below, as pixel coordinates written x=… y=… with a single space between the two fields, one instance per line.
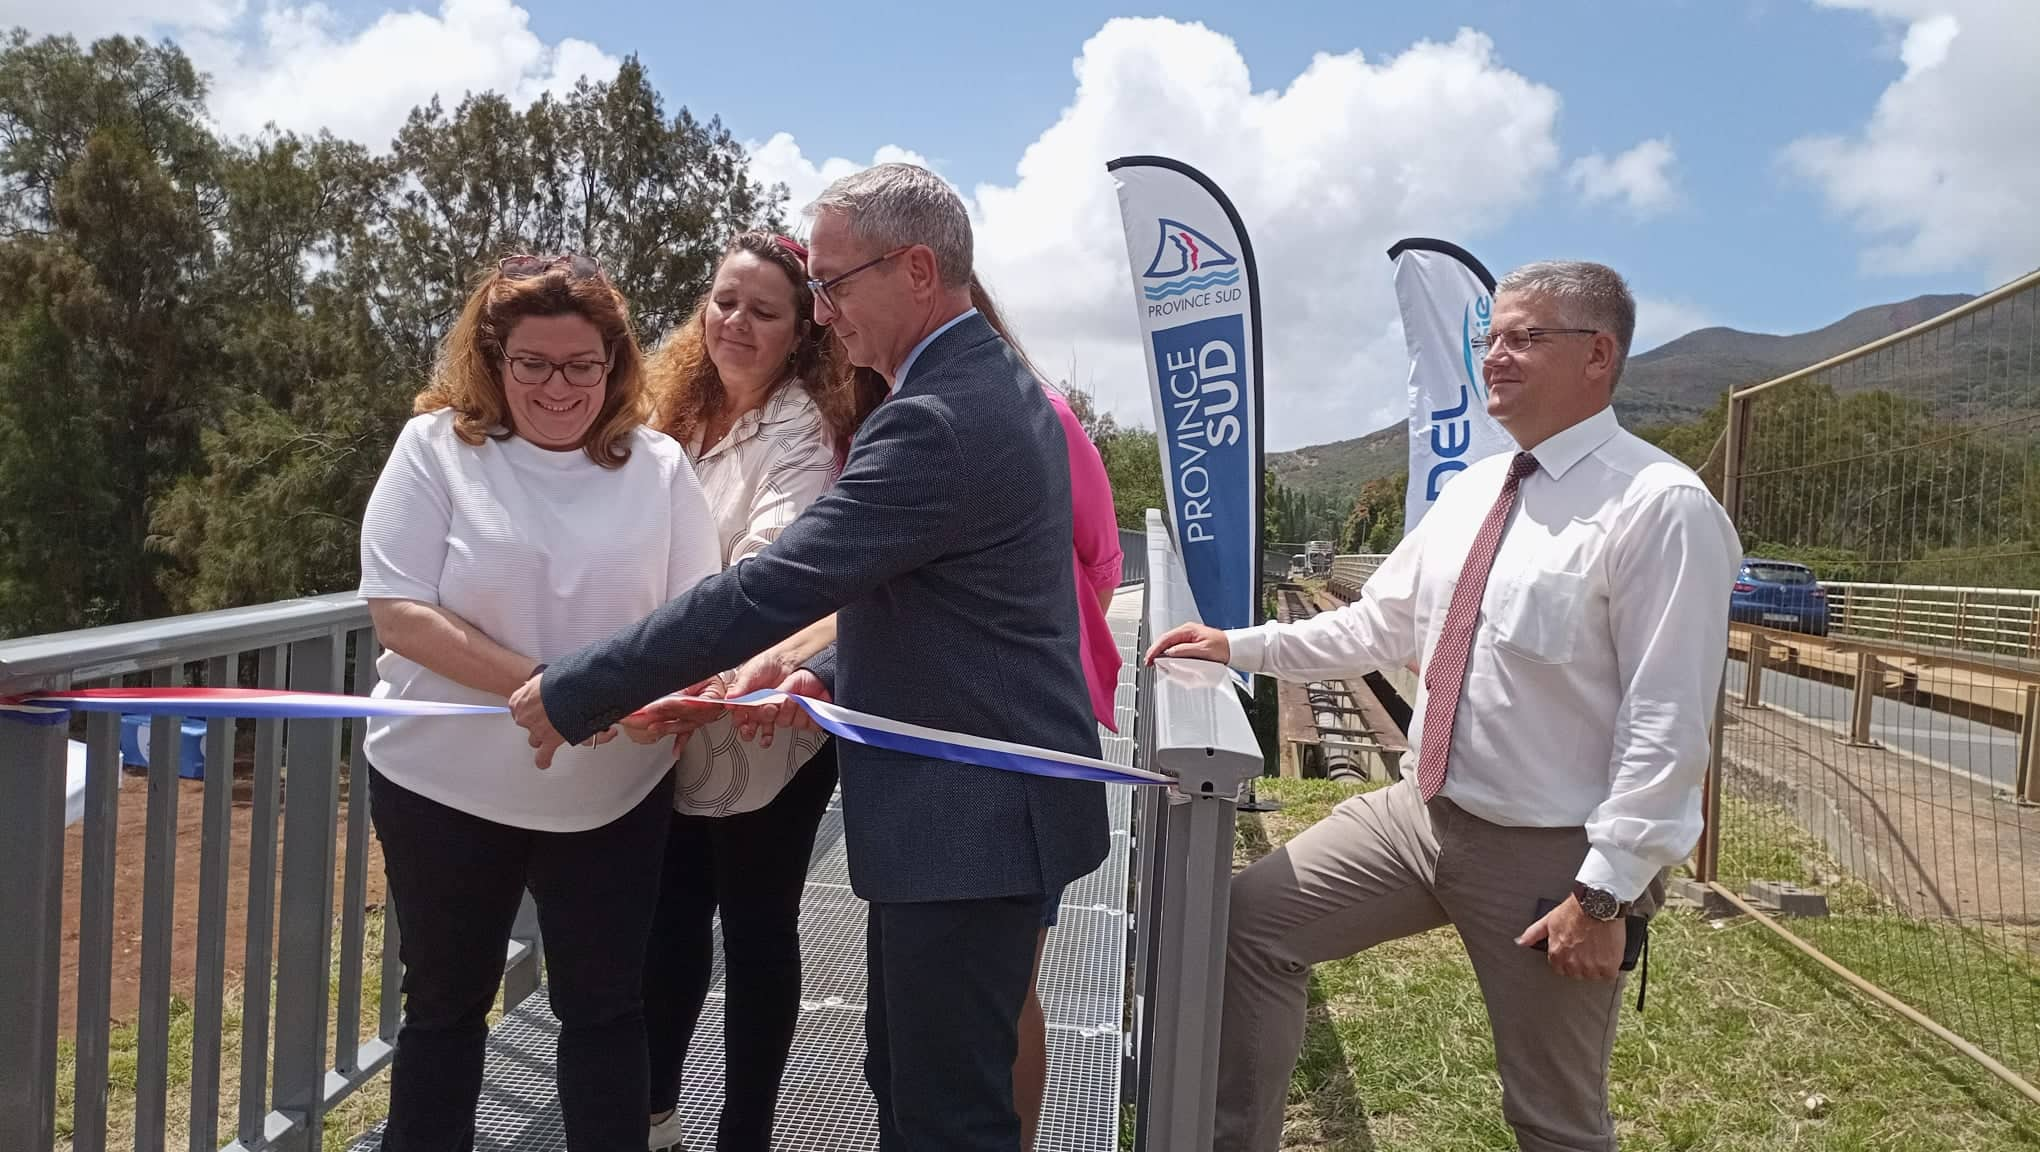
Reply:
x=1982 y=985
x=353 y=1116
x=1738 y=1032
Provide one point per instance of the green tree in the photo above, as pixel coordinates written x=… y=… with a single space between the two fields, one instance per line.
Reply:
x=109 y=182
x=333 y=366
x=1133 y=464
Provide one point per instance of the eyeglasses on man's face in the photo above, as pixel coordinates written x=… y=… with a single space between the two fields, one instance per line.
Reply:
x=1520 y=339
x=821 y=288
x=537 y=370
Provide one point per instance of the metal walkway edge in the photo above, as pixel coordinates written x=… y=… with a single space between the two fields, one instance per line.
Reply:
x=823 y=1101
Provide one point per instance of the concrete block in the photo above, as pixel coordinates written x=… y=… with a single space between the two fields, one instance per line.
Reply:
x=1711 y=904
x=1789 y=899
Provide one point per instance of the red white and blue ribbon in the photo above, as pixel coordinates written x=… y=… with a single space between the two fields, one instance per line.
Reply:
x=232 y=703
x=942 y=744
x=844 y=723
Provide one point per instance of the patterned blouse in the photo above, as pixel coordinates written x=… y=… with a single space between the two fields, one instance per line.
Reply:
x=765 y=472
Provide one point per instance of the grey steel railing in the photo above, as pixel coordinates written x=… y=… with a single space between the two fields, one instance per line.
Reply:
x=1133 y=550
x=1191 y=726
x=302 y=1049
x=318 y=1055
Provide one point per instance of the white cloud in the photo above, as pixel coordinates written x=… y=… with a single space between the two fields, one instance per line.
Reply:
x=1926 y=42
x=1352 y=155
x=1659 y=321
x=1942 y=176
x=304 y=68
x=779 y=161
x=90 y=21
x=305 y=71
x=1640 y=179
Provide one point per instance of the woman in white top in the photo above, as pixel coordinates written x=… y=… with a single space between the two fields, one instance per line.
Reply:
x=765 y=405
x=525 y=511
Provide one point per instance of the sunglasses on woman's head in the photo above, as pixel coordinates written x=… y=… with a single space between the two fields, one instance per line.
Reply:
x=578 y=267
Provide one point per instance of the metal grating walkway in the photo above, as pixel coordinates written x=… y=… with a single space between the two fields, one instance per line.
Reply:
x=823 y=1101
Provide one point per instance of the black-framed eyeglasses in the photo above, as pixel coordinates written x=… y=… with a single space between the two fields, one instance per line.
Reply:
x=524 y=267
x=1520 y=339
x=820 y=288
x=537 y=370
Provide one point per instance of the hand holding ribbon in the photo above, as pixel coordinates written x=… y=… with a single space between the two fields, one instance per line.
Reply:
x=678 y=715
x=527 y=707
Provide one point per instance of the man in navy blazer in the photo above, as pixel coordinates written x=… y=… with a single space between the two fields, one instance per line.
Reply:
x=944 y=549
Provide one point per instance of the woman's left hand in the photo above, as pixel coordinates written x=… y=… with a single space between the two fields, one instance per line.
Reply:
x=669 y=717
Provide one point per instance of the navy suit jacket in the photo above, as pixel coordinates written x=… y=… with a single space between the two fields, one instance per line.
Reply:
x=944 y=549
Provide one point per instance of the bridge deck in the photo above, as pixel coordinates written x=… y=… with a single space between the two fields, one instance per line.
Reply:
x=823 y=1102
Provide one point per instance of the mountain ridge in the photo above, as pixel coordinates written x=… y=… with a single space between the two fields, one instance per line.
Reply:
x=1674 y=382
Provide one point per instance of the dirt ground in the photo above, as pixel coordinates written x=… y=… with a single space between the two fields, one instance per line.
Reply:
x=127 y=906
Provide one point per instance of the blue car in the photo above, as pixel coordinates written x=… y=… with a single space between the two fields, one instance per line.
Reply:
x=1779 y=594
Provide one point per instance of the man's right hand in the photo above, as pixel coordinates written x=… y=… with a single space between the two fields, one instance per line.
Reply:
x=1192 y=642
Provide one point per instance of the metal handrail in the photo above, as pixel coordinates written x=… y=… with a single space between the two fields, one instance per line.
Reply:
x=301 y=1049
x=32 y=662
x=2006 y=623
x=1971 y=307
x=1191 y=726
x=1133 y=557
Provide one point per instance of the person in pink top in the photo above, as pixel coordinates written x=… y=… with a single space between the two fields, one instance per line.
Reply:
x=1096 y=557
x=1095 y=524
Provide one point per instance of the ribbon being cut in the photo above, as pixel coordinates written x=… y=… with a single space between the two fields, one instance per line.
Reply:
x=843 y=723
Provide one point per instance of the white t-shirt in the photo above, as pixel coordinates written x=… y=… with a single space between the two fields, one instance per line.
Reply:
x=545 y=552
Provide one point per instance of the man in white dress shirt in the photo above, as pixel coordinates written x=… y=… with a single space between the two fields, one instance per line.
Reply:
x=1570 y=606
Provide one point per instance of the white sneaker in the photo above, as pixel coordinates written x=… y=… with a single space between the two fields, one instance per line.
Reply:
x=666 y=1134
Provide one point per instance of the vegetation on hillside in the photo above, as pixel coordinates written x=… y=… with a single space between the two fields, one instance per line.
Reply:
x=208 y=345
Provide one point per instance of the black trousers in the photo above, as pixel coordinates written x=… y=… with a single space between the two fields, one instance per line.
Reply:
x=753 y=867
x=456 y=881
x=942 y=1026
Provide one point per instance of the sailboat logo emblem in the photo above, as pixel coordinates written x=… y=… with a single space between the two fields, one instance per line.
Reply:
x=1187 y=260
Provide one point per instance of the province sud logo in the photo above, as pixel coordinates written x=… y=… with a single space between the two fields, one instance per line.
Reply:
x=1187 y=260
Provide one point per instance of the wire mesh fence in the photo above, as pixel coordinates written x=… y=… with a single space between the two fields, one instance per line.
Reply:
x=1877 y=742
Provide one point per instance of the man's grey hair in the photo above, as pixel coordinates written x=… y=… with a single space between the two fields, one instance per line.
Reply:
x=894 y=205
x=1587 y=295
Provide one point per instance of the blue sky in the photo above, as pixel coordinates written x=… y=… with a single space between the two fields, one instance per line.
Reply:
x=1767 y=164
x=1730 y=81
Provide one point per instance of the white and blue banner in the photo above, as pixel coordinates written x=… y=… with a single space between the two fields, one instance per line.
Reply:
x=1196 y=292
x=1447 y=299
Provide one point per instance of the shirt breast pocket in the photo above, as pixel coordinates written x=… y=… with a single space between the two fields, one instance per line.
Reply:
x=1538 y=617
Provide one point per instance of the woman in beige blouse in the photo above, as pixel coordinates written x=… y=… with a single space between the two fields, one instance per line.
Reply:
x=765 y=405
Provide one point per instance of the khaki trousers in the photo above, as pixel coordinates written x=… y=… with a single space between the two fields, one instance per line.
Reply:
x=1387 y=865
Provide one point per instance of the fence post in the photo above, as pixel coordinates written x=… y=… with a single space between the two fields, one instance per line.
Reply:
x=1869 y=678
x=1753 y=666
x=304 y=938
x=31 y=901
x=1731 y=463
x=2029 y=749
x=1708 y=861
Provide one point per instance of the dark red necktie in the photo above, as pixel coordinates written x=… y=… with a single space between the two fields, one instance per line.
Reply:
x=1445 y=673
